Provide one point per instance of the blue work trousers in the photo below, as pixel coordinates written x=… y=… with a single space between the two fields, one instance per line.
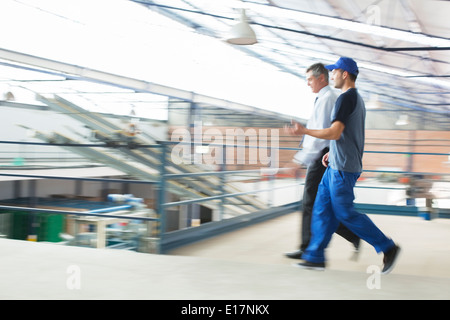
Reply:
x=334 y=204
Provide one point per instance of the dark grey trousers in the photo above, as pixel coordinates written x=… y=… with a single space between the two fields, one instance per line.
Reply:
x=314 y=175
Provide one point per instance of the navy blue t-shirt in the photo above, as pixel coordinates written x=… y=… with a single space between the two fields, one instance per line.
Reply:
x=347 y=152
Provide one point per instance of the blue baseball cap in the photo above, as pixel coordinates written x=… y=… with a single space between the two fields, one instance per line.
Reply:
x=346 y=64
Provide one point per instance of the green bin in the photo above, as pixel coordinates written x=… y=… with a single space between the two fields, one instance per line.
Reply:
x=46 y=226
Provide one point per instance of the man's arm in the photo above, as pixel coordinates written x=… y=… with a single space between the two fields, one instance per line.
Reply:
x=332 y=133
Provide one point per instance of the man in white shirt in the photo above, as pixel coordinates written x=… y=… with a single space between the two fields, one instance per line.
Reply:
x=312 y=152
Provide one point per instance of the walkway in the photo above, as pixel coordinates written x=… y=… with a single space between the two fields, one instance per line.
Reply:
x=245 y=264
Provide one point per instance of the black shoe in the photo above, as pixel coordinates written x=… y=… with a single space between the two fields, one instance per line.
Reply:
x=357 y=244
x=390 y=258
x=297 y=254
x=311 y=265
x=356 y=250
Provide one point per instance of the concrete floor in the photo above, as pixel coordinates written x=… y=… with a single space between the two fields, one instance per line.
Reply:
x=247 y=264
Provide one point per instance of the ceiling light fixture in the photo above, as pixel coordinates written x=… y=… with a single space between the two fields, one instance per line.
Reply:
x=241 y=33
x=402 y=120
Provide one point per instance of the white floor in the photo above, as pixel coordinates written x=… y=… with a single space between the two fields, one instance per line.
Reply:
x=425 y=245
x=246 y=264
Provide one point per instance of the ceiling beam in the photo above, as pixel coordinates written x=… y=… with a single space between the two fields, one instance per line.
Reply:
x=74 y=72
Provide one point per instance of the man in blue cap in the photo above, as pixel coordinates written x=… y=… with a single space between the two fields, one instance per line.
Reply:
x=334 y=201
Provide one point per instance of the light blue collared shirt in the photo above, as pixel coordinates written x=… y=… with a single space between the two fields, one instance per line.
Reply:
x=320 y=119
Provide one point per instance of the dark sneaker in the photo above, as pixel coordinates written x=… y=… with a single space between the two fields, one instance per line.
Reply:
x=311 y=265
x=297 y=254
x=356 y=250
x=390 y=258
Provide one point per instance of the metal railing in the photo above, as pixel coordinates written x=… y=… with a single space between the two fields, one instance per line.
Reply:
x=162 y=187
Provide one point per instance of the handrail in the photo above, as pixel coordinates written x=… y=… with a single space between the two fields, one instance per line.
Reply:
x=89 y=145
x=218 y=197
x=218 y=173
x=94 y=213
x=166 y=142
x=77 y=178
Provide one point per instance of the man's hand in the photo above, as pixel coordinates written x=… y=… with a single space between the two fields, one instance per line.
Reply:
x=293 y=169
x=295 y=129
x=325 y=159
